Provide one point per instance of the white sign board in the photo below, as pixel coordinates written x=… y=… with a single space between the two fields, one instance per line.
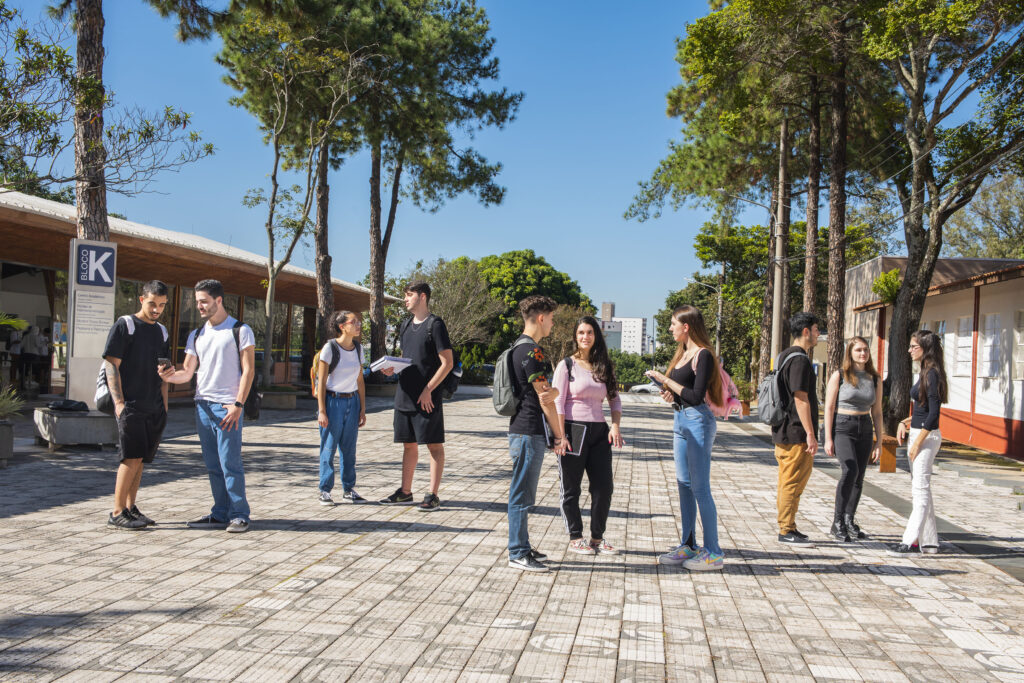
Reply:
x=91 y=287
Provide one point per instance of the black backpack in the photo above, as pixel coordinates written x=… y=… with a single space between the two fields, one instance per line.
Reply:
x=254 y=399
x=450 y=383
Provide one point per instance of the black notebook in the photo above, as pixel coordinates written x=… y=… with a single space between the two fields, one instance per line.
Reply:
x=577 y=433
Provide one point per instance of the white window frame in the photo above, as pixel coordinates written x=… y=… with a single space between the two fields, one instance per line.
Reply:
x=963 y=347
x=989 y=352
x=1018 y=346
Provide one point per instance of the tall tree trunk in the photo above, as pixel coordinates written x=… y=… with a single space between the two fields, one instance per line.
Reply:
x=90 y=154
x=835 y=320
x=378 y=326
x=267 y=371
x=813 y=192
x=765 y=342
x=787 y=280
x=324 y=288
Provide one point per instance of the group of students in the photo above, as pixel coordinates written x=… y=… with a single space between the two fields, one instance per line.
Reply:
x=29 y=356
x=556 y=407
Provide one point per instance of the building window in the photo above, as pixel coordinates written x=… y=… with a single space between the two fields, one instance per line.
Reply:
x=963 y=347
x=939 y=327
x=988 y=356
x=1018 y=347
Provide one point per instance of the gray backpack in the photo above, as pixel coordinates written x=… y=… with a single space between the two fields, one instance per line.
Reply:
x=506 y=398
x=772 y=406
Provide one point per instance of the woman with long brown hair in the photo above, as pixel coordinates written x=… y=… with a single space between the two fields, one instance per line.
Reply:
x=853 y=431
x=921 y=430
x=693 y=375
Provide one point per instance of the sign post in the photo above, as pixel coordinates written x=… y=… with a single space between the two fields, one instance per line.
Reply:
x=92 y=280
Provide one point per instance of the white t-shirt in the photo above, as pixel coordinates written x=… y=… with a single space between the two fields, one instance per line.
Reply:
x=220 y=368
x=345 y=378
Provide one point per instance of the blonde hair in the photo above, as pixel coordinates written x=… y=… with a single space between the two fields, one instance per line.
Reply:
x=869 y=367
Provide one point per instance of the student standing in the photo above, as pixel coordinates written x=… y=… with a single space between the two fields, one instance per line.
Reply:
x=853 y=431
x=341 y=399
x=584 y=381
x=224 y=370
x=693 y=375
x=795 y=438
x=130 y=357
x=419 y=416
x=531 y=376
x=921 y=430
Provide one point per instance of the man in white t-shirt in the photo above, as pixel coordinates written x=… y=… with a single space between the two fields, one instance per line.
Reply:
x=224 y=362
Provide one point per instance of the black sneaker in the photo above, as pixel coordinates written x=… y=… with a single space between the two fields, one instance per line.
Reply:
x=397 y=498
x=137 y=514
x=795 y=538
x=125 y=520
x=901 y=550
x=238 y=526
x=207 y=522
x=526 y=563
x=430 y=503
x=797 y=533
x=353 y=497
x=537 y=555
x=324 y=498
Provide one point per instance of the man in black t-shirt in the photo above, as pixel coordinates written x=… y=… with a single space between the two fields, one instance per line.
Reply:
x=795 y=437
x=419 y=417
x=531 y=376
x=134 y=345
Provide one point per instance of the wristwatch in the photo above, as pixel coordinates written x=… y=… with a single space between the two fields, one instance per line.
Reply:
x=238 y=404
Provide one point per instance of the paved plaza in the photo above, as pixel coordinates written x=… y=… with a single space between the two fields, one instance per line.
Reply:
x=367 y=592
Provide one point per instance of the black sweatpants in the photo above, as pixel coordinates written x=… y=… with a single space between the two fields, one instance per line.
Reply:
x=853 y=439
x=595 y=459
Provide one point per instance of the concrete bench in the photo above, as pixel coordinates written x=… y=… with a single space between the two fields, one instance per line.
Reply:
x=63 y=428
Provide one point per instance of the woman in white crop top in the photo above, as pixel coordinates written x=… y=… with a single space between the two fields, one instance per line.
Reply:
x=341 y=398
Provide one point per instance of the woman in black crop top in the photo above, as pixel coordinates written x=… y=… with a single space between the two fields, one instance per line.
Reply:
x=921 y=430
x=693 y=374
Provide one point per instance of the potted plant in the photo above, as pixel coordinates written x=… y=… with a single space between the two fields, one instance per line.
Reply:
x=10 y=404
x=745 y=389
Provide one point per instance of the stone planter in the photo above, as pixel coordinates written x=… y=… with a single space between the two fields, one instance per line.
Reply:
x=278 y=400
x=64 y=428
x=887 y=460
x=6 y=442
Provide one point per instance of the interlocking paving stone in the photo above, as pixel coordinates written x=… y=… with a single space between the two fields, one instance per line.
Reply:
x=380 y=593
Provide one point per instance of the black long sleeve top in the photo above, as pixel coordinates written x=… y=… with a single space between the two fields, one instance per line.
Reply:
x=695 y=384
x=926 y=412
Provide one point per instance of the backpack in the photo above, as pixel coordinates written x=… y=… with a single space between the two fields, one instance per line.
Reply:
x=450 y=383
x=772 y=406
x=730 y=402
x=104 y=401
x=314 y=371
x=505 y=396
x=254 y=400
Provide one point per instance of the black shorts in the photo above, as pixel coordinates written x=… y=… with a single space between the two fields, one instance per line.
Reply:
x=139 y=432
x=420 y=427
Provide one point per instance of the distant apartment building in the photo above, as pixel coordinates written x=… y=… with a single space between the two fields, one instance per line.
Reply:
x=634 y=335
x=612 y=333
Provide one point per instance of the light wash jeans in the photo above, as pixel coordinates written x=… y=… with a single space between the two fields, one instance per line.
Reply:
x=693 y=434
x=222 y=453
x=921 y=525
x=339 y=435
x=527 y=453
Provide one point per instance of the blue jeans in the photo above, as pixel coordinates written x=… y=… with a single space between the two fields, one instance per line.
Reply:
x=339 y=435
x=693 y=434
x=527 y=453
x=222 y=453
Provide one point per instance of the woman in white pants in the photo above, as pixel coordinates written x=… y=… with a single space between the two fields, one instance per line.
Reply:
x=921 y=430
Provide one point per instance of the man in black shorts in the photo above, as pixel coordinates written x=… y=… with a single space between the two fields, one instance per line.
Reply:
x=419 y=418
x=134 y=345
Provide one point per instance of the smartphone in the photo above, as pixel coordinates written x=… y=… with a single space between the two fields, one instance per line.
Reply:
x=163 y=363
x=655 y=382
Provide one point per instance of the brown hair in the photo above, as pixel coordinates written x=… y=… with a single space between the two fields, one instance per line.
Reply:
x=689 y=315
x=535 y=304
x=931 y=359
x=340 y=318
x=869 y=366
x=419 y=287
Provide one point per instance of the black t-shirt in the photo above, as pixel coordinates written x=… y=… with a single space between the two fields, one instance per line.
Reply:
x=530 y=364
x=139 y=352
x=425 y=362
x=798 y=375
x=926 y=408
x=695 y=384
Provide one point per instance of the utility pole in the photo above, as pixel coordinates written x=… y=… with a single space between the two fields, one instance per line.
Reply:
x=780 y=247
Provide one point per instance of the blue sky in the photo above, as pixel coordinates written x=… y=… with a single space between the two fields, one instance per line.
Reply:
x=592 y=124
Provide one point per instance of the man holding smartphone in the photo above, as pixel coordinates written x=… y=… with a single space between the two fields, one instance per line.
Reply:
x=135 y=349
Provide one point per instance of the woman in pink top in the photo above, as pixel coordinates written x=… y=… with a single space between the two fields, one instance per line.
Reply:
x=584 y=380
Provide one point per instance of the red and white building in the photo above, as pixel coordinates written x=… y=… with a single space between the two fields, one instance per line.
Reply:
x=977 y=307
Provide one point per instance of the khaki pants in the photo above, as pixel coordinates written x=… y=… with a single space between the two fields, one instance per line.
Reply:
x=795 y=465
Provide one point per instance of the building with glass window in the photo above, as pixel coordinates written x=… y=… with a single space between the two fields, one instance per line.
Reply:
x=35 y=237
x=977 y=307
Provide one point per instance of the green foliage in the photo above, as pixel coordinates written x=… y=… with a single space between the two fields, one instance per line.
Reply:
x=513 y=276
x=394 y=313
x=630 y=367
x=887 y=286
x=460 y=295
x=992 y=226
x=8 y=320
x=10 y=402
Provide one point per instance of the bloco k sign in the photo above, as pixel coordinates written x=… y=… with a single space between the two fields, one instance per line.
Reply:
x=94 y=265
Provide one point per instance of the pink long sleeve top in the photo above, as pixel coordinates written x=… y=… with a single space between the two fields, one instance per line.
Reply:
x=581 y=399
